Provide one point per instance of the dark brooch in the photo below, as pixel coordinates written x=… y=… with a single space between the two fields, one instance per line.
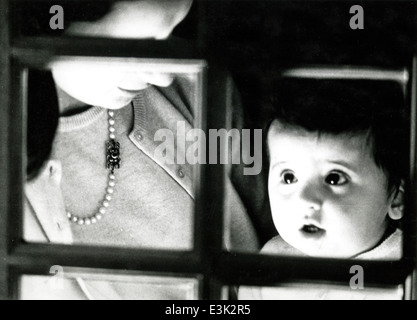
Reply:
x=113 y=155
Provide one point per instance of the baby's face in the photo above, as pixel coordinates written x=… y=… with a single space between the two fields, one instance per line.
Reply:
x=328 y=197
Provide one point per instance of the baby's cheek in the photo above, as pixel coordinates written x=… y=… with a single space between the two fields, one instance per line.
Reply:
x=338 y=218
x=349 y=226
x=283 y=213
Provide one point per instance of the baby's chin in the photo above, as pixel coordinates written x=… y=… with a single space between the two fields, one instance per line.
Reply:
x=329 y=253
x=320 y=252
x=320 y=248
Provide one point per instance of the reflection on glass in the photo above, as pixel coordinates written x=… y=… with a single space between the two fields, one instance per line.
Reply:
x=308 y=291
x=68 y=284
x=110 y=172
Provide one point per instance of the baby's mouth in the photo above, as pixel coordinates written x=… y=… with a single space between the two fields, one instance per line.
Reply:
x=311 y=229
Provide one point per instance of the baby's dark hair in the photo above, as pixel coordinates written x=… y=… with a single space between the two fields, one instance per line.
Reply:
x=376 y=109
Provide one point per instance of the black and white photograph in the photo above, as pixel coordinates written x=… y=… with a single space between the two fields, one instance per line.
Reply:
x=208 y=150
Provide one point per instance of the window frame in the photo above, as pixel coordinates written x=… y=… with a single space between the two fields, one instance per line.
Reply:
x=216 y=267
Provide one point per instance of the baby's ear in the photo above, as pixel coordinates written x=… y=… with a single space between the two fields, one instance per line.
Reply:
x=396 y=210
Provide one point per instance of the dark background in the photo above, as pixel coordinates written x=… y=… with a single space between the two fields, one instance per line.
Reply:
x=257 y=38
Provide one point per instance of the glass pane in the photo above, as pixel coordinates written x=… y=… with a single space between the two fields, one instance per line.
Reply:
x=344 y=90
x=107 y=146
x=71 y=284
x=336 y=159
x=309 y=291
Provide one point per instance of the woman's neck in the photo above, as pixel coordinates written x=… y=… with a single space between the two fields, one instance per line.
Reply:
x=68 y=105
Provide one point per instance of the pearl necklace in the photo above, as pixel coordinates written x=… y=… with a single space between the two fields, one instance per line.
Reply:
x=113 y=162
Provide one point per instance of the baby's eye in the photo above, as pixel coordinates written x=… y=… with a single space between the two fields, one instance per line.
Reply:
x=336 y=179
x=288 y=177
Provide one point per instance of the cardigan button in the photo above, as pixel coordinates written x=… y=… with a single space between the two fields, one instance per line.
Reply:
x=139 y=135
x=180 y=173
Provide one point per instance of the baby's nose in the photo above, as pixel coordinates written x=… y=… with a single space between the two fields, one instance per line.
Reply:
x=311 y=197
